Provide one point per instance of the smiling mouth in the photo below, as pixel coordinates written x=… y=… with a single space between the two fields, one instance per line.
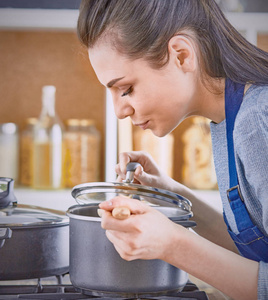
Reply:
x=142 y=125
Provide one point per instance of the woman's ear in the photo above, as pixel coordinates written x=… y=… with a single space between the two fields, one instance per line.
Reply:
x=181 y=50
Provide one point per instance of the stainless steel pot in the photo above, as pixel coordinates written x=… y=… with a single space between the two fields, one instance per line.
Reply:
x=34 y=242
x=95 y=266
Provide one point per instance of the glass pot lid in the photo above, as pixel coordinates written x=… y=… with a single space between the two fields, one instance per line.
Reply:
x=26 y=216
x=18 y=216
x=96 y=192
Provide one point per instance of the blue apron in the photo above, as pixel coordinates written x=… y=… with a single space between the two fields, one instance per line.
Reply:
x=250 y=241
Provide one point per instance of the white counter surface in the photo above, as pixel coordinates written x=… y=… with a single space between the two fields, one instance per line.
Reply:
x=58 y=199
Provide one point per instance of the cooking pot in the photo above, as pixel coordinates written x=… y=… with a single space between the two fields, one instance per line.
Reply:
x=34 y=242
x=95 y=266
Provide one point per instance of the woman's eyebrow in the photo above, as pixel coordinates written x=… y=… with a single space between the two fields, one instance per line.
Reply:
x=113 y=81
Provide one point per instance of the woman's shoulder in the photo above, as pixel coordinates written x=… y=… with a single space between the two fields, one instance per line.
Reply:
x=253 y=113
x=256 y=97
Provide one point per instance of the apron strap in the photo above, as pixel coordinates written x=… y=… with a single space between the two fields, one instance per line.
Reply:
x=234 y=93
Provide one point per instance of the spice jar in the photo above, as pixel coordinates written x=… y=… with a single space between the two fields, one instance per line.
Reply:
x=82 y=152
x=198 y=166
x=26 y=152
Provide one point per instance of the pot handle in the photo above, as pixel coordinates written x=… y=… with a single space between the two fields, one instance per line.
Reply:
x=5 y=233
x=186 y=224
x=7 y=196
x=131 y=167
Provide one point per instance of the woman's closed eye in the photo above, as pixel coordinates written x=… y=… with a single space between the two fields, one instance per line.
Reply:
x=128 y=92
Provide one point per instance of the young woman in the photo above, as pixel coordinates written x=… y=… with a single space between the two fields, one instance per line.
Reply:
x=166 y=60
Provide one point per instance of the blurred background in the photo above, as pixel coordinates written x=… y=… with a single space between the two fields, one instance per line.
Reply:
x=39 y=47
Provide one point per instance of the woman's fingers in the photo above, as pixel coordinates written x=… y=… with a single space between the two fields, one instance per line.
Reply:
x=135 y=206
x=135 y=156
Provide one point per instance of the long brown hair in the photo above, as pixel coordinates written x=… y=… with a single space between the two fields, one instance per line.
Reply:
x=142 y=29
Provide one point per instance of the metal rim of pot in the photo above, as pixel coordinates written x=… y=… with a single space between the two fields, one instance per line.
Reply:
x=96 y=192
x=29 y=216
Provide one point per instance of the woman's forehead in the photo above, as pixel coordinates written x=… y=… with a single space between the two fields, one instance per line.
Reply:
x=109 y=64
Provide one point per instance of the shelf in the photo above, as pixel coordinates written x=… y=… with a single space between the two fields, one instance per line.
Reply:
x=36 y=19
x=66 y=19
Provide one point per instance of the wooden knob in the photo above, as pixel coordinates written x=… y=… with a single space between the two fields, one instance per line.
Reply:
x=121 y=213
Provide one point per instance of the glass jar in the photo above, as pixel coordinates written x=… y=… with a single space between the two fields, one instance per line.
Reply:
x=26 y=152
x=72 y=150
x=9 y=150
x=161 y=149
x=82 y=152
x=90 y=151
x=198 y=165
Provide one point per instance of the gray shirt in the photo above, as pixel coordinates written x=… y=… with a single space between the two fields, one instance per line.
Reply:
x=251 y=154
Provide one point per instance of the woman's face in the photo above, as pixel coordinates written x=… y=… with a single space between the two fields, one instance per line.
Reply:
x=154 y=99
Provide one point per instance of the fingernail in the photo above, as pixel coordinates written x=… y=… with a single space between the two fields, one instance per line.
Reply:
x=105 y=203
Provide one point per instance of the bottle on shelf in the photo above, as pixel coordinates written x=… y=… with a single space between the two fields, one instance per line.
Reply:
x=26 y=152
x=48 y=145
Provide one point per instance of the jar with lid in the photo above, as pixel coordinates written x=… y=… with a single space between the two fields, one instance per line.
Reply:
x=90 y=151
x=82 y=152
x=161 y=149
x=72 y=150
x=9 y=150
x=26 y=152
x=198 y=166
x=48 y=145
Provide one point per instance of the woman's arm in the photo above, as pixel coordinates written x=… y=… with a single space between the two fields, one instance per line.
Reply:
x=137 y=238
x=210 y=223
x=231 y=273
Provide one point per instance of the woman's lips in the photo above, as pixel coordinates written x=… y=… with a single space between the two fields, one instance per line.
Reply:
x=143 y=125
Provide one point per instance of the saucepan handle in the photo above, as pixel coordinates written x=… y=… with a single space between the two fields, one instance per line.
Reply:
x=5 y=233
x=186 y=224
x=131 y=168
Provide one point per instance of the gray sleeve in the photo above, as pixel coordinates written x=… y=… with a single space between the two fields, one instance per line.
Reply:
x=252 y=158
x=263 y=281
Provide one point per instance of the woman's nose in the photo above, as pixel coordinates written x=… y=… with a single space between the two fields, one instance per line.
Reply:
x=122 y=108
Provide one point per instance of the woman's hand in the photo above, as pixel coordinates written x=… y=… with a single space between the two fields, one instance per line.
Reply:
x=148 y=174
x=148 y=234
x=145 y=234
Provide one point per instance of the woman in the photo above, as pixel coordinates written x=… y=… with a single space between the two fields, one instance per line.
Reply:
x=166 y=60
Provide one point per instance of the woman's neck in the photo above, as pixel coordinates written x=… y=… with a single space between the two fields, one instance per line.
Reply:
x=212 y=101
